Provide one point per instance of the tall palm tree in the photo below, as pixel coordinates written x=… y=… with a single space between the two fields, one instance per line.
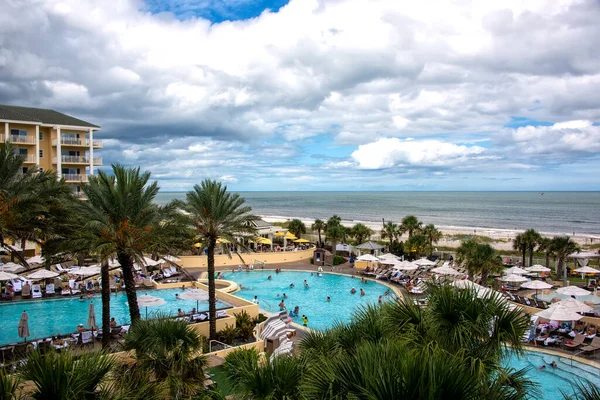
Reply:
x=335 y=233
x=520 y=244
x=120 y=216
x=410 y=224
x=433 y=235
x=545 y=246
x=318 y=225
x=417 y=244
x=480 y=258
x=297 y=227
x=360 y=232
x=562 y=246
x=390 y=231
x=215 y=213
x=531 y=238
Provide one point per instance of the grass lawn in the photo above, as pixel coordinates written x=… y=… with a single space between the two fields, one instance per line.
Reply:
x=221 y=380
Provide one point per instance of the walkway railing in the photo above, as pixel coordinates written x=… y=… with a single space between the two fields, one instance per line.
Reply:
x=222 y=346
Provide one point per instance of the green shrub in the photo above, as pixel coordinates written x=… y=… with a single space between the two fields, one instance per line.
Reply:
x=311 y=260
x=228 y=334
x=260 y=318
x=337 y=260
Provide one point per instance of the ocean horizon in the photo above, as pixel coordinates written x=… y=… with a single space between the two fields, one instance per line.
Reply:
x=553 y=212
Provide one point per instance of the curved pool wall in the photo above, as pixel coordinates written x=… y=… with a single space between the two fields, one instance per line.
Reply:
x=60 y=315
x=552 y=380
x=591 y=297
x=313 y=301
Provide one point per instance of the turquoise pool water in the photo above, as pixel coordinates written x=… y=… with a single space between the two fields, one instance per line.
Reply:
x=62 y=314
x=553 y=380
x=313 y=301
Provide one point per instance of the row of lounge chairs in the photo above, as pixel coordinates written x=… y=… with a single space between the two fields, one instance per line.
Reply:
x=527 y=301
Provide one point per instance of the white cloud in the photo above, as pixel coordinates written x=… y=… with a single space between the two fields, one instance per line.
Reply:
x=393 y=152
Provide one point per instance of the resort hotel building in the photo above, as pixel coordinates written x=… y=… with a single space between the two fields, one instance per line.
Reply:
x=52 y=140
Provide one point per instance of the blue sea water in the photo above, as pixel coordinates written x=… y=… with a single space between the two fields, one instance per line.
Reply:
x=61 y=315
x=552 y=212
x=312 y=301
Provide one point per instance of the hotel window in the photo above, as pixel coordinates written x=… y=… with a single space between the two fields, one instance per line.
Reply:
x=18 y=132
x=41 y=169
x=24 y=170
x=41 y=135
x=41 y=153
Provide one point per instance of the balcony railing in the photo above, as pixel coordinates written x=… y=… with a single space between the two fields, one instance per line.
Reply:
x=97 y=144
x=98 y=161
x=22 y=139
x=79 y=195
x=74 y=177
x=30 y=158
x=72 y=160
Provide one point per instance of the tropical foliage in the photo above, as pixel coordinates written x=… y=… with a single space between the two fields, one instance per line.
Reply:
x=561 y=247
x=545 y=246
x=433 y=235
x=215 y=212
x=530 y=238
x=410 y=224
x=297 y=227
x=480 y=258
x=520 y=244
x=360 y=232
x=391 y=232
x=318 y=226
x=417 y=244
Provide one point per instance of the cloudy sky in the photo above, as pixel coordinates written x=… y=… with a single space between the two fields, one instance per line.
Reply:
x=321 y=94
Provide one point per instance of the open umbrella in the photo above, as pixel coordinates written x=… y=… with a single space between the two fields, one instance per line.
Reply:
x=444 y=270
x=406 y=266
x=6 y=276
x=36 y=260
x=514 y=278
x=560 y=313
x=290 y=235
x=537 y=268
x=222 y=241
x=573 y=291
x=301 y=240
x=172 y=258
x=586 y=270
x=573 y=305
x=42 y=274
x=23 y=326
x=537 y=285
x=86 y=271
x=195 y=294
x=91 y=316
x=467 y=284
x=367 y=257
x=515 y=271
x=11 y=267
x=146 y=300
x=424 y=262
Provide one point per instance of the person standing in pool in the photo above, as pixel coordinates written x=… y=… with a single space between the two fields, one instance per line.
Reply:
x=270 y=277
x=284 y=296
x=281 y=306
x=304 y=320
x=291 y=285
x=328 y=299
x=380 y=299
x=296 y=310
x=352 y=291
x=362 y=292
x=255 y=300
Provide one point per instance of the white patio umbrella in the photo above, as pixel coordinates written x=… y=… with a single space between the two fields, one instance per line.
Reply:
x=7 y=276
x=171 y=258
x=537 y=285
x=560 y=313
x=36 y=260
x=423 y=262
x=23 y=326
x=91 y=322
x=586 y=270
x=515 y=271
x=42 y=274
x=367 y=257
x=444 y=270
x=513 y=278
x=146 y=300
x=11 y=267
x=573 y=305
x=573 y=291
x=537 y=268
x=195 y=294
x=388 y=258
x=86 y=271
x=406 y=266
x=467 y=284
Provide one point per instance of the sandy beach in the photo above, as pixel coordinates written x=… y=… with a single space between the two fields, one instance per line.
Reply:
x=502 y=237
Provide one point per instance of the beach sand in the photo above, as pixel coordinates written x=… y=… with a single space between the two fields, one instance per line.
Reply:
x=503 y=238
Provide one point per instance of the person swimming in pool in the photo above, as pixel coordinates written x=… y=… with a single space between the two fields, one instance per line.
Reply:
x=291 y=285
x=281 y=305
x=362 y=292
x=270 y=278
x=352 y=291
x=296 y=310
x=284 y=296
x=328 y=299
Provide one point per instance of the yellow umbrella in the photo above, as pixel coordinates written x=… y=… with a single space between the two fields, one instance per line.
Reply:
x=289 y=235
x=264 y=241
x=301 y=241
x=198 y=245
x=279 y=234
x=222 y=240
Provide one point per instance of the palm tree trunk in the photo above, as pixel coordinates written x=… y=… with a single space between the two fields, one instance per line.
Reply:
x=547 y=260
x=333 y=245
x=212 y=307
x=484 y=277
x=531 y=256
x=320 y=241
x=105 y=306
x=127 y=266
x=524 y=254
x=559 y=268
x=14 y=253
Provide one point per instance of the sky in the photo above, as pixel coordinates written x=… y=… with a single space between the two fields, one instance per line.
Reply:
x=321 y=94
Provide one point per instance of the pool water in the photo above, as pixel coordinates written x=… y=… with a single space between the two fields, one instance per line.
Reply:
x=552 y=380
x=313 y=301
x=61 y=315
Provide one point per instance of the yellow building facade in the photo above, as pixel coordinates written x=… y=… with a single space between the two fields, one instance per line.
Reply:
x=52 y=140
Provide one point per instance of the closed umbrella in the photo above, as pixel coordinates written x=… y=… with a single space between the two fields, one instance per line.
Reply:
x=537 y=285
x=560 y=313
x=195 y=294
x=11 y=267
x=91 y=316
x=573 y=291
x=150 y=301
x=42 y=274
x=24 y=326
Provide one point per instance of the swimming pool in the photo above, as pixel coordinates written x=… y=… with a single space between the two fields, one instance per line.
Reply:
x=313 y=301
x=61 y=315
x=591 y=298
x=552 y=380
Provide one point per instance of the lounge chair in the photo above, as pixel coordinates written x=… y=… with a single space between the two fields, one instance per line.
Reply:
x=36 y=291
x=285 y=347
x=26 y=291
x=50 y=289
x=87 y=338
x=66 y=291
x=167 y=272
x=74 y=286
x=592 y=347
x=578 y=341
x=174 y=271
x=60 y=269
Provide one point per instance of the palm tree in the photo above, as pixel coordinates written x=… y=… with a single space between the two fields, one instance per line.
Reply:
x=520 y=244
x=417 y=244
x=390 y=231
x=297 y=227
x=361 y=232
x=333 y=221
x=562 y=246
x=433 y=235
x=318 y=225
x=335 y=233
x=480 y=258
x=9 y=385
x=215 y=213
x=531 y=238
x=410 y=224
x=119 y=219
x=171 y=352
x=545 y=246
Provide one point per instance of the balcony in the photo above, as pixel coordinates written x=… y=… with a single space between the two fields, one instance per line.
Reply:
x=98 y=161
x=97 y=144
x=74 y=177
x=29 y=158
x=22 y=139
x=80 y=195
x=77 y=160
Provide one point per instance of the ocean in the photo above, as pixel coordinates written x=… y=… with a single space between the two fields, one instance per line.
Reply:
x=550 y=212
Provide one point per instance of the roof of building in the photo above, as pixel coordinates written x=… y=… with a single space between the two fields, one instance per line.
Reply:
x=40 y=115
x=369 y=246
